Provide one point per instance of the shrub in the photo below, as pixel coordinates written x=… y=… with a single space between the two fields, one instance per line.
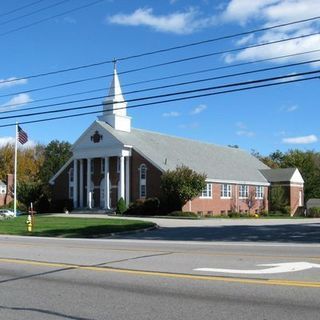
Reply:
x=121 y=206
x=264 y=213
x=62 y=205
x=187 y=214
x=236 y=214
x=314 y=212
x=150 y=206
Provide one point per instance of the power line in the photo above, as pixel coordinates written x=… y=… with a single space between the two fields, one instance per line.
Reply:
x=20 y=8
x=167 y=86
x=166 y=49
x=49 y=18
x=162 y=78
x=165 y=101
x=33 y=12
x=156 y=65
x=169 y=94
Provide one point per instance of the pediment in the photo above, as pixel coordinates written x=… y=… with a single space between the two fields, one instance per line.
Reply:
x=96 y=141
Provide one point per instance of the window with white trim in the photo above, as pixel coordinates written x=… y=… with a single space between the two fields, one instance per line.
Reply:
x=71 y=183
x=143 y=181
x=225 y=191
x=243 y=191
x=259 y=192
x=207 y=191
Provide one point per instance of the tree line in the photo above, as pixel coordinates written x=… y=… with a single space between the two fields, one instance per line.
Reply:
x=37 y=164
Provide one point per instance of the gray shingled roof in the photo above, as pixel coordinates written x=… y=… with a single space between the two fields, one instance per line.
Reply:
x=278 y=175
x=2 y=183
x=218 y=162
x=313 y=203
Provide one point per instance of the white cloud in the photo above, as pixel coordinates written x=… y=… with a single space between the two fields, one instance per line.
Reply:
x=245 y=133
x=301 y=140
x=192 y=125
x=198 y=109
x=171 y=114
x=273 y=12
x=289 y=108
x=243 y=130
x=10 y=82
x=18 y=100
x=178 y=22
x=241 y=125
x=11 y=140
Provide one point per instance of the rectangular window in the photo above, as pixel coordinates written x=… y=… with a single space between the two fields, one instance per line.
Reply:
x=207 y=191
x=243 y=191
x=92 y=166
x=225 y=191
x=71 y=192
x=143 y=192
x=103 y=164
x=259 y=192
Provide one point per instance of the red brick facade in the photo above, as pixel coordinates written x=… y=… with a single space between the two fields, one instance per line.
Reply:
x=214 y=205
x=217 y=205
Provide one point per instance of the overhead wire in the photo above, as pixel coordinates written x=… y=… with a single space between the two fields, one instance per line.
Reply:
x=167 y=86
x=51 y=17
x=160 y=64
x=164 y=78
x=165 y=101
x=166 y=49
x=169 y=94
x=33 y=12
x=20 y=8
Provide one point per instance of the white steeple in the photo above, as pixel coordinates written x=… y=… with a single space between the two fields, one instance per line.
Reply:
x=115 y=107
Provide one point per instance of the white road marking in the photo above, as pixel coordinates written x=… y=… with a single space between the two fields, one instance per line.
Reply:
x=275 y=268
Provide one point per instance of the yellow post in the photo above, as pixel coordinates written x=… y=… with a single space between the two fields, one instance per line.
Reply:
x=29 y=223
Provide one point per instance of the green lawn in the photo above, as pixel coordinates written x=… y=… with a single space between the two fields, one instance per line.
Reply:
x=67 y=227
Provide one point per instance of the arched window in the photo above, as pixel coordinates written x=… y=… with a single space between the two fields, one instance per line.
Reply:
x=71 y=183
x=143 y=181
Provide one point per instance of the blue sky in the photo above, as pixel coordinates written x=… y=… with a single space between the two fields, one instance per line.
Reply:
x=281 y=117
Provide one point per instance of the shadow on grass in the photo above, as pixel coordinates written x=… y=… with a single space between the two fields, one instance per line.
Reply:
x=98 y=231
x=297 y=233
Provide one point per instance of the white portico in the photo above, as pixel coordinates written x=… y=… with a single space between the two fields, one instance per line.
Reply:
x=96 y=150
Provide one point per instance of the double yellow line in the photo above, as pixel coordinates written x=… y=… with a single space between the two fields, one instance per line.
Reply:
x=272 y=282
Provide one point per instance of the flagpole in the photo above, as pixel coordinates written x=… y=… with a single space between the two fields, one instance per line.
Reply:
x=15 y=172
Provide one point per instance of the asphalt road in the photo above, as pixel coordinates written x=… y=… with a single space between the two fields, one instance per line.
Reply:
x=156 y=279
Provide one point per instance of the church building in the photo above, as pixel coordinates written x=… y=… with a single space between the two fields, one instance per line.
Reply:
x=112 y=160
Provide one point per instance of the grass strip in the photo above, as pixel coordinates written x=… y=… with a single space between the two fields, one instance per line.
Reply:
x=66 y=227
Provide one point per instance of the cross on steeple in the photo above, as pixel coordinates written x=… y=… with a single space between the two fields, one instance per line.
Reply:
x=114 y=61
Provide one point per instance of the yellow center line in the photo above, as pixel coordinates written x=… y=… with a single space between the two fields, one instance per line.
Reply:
x=272 y=282
x=201 y=253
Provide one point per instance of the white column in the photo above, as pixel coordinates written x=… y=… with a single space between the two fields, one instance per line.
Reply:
x=88 y=180
x=122 y=177
x=75 y=183
x=106 y=183
x=127 y=180
x=81 y=184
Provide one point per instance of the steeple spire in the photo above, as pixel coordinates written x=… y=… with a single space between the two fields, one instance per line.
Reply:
x=114 y=105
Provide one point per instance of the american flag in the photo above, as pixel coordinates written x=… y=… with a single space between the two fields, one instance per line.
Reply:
x=22 y=136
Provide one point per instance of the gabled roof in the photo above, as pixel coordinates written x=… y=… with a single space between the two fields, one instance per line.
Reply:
x=218 y=162
x=283 y=175
x=313 y=203
x=2 y=183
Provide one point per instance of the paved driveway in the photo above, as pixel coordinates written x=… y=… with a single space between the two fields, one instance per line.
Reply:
x=239 y=230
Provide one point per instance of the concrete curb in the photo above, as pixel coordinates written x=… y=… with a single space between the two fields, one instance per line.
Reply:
x=132 y=232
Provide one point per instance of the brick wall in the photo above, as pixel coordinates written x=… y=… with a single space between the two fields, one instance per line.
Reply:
x=217 y=205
